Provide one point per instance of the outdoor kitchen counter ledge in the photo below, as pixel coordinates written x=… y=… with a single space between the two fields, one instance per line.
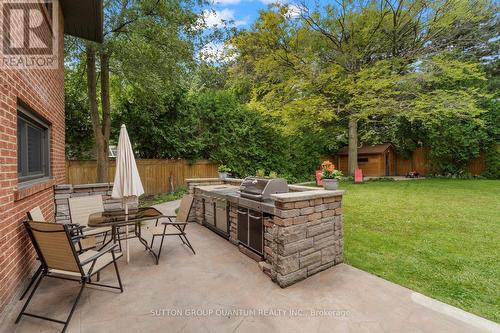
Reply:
x=306 y=195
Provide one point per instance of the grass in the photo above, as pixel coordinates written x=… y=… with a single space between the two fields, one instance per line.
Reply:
x=439 y=237
x=150 y=200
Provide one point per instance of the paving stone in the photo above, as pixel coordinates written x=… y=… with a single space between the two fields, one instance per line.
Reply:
x=288 y=264
x=286 y=213
x=300 y=219
x=268 y=250
x=320 y=221
x=63 y=187
x=310 y=259
x=308 y=251
x=328 y=254
x=291 y=248
x=320 y=208
x=328 y=213
x=301 y=204
x=314 y=216
x=283 y=222
x=319 y=229
x=284 y=205
x=323 y=235
x=306 y=210
x=291 y=234
x=334 y=205
x=289 y=279
x=324 y=242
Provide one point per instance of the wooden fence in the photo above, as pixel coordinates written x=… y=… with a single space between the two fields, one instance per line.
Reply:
x=419 y=161
x=157 y=175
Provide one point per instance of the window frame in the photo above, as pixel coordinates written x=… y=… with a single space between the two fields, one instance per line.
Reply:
x=24 y=176
x=363 y=160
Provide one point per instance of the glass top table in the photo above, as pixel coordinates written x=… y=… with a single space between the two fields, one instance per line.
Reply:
x=118 y=218
x=110 y=218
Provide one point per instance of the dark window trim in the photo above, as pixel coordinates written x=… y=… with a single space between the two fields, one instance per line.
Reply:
x=363 y=160
x=32 y=119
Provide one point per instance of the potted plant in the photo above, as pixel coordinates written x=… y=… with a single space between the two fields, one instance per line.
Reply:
x=224 y=171
x=330 y=176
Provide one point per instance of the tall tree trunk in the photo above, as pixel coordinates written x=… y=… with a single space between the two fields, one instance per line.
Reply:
x=105 y=103
x=352 y=158
x=102 y=171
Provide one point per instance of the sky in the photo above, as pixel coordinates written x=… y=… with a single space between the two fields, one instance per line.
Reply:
x=242 y=12
x=236 y=13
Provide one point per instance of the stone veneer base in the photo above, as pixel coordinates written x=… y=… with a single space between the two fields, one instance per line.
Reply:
x=302 y=237
x=65 y=191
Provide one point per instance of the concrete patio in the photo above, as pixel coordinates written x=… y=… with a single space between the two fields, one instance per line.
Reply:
x=221 y=290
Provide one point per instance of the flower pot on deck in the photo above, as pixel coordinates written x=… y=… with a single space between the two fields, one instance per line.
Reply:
x=330 y=184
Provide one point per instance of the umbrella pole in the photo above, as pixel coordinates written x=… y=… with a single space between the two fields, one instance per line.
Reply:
x=126 y=230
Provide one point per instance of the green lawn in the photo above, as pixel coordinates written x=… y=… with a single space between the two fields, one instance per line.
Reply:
x=439 y=237
x=150 y=200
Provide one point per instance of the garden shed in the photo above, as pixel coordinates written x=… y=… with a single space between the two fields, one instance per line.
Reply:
x=375 y=160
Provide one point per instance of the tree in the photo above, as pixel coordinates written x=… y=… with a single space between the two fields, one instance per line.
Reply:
x=146 y=43
x=79 y=136
x=310 y=67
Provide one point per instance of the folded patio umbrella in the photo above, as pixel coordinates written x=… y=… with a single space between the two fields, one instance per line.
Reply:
x=127 y=180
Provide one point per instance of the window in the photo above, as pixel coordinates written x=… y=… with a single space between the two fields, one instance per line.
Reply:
x=362 y=160
x=32 y=146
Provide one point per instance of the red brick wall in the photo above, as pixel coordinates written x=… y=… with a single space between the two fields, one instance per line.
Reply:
x=43 y=92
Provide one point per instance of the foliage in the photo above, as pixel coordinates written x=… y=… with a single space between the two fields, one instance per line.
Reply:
x=213 y=124
x=148 y=44
x=224 y=168
x=449 y=112
x=260 y=173
x=79 y=136
x=493 y=163
x=329 y=171
x=150 y=200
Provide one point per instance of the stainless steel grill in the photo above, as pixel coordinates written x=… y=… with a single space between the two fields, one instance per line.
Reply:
x=260 y=189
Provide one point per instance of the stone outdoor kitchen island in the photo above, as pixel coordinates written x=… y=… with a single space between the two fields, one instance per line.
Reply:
x=301 y=230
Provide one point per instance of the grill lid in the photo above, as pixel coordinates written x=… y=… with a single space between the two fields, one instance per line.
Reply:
x=256 y=188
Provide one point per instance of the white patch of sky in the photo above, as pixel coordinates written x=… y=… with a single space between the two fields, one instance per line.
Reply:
x=234 y=13
x=217 y=51
x=217 y=18
x=242 y=13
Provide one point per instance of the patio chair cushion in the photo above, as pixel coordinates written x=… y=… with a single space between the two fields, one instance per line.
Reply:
x=100 y=263
x=36 y=214
x=81 y=207
x=184 y=208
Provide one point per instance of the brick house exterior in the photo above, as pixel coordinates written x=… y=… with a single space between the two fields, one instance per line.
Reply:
x=41 y=91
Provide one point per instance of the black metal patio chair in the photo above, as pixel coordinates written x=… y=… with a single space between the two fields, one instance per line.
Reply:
x=59 y=259
x=175 y=226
